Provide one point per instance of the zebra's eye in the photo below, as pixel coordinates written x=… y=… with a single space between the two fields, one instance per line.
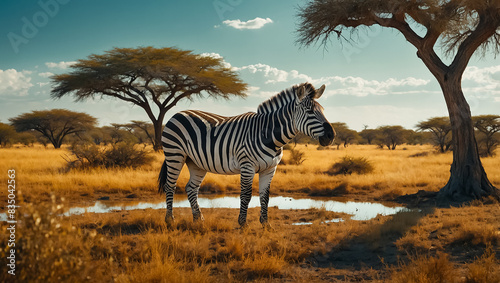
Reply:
x=310 y=111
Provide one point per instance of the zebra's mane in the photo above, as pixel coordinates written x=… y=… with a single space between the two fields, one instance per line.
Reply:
x=283 y=98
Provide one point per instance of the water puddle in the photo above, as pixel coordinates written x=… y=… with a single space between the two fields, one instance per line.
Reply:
x=358 y=210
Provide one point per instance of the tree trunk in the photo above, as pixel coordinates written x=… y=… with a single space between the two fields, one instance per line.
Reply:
x=158 y=131
x=468 y=179
x=158 y=126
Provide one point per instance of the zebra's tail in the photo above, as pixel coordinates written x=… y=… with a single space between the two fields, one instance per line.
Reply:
x=162 y=178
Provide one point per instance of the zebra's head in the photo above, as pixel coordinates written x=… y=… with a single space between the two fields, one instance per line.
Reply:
x=309 y=118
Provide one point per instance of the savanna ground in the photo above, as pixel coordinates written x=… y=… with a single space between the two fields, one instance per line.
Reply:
x=428 y=244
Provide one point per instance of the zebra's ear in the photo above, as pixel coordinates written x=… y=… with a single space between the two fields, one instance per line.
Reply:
x=301 y=92
x=319 y=92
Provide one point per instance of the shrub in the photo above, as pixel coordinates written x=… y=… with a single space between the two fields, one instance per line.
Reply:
x=426 y=269
x=484 y=269
x=348 y=165
x=118 y=155
x=296 y=157
x=51 y=250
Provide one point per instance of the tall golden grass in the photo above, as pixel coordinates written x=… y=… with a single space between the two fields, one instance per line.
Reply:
x=406 y=170
x=137 y=246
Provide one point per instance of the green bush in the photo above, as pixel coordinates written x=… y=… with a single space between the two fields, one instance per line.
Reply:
x=348 y=165
x=121 y=154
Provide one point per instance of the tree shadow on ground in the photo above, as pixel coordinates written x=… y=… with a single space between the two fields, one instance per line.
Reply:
x=368 y=255
x=375 y=249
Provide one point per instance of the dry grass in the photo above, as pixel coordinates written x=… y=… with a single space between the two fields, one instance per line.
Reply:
x=426 y=269
x=42 y=172
x=445 y=229
x=137 y=246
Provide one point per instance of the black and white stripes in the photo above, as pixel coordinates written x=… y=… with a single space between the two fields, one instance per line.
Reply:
x=246 y=144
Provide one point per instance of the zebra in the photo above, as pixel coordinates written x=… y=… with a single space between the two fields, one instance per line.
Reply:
x=247 y=144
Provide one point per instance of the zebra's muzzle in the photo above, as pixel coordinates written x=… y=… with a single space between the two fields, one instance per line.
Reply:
x=329 y=135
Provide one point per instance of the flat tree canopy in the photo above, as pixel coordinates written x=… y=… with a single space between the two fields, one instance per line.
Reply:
x=54 y=124
x=459 y=27
x=440 y=128
x=155 y=79
x=489 y=128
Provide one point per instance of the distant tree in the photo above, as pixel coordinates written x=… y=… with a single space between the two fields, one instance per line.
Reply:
x=488 y=127
x=440 y=128
x=143 y=131
x=344 y=135
x=369 y=135
x=303 y=139
x=414 y=137
x=54 y=124
x=149 y=77
x=459 y=27
x=116 y=133
x=7 y=134
x=26 y=138
x=97 y=136
x=392 y=136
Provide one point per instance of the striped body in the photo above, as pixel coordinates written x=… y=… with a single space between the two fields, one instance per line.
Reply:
x=246 y=144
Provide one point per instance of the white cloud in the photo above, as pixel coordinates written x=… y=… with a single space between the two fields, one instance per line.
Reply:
x=61 y=65
x=256 y=23
x=337 y=85
x=216 y=56
x=13 y=82
x=272 y=74
x=46 y=74
x=482 y=82
x=358 y=86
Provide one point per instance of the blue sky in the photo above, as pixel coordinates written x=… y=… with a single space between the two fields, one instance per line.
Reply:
x=379 y=81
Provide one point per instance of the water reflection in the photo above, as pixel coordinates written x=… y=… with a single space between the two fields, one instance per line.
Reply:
x=358 y=210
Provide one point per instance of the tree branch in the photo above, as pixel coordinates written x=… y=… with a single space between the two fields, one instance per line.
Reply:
x=485 y=28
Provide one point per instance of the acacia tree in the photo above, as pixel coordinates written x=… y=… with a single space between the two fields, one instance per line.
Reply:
x=344 y=134
x=155 y=79
x=392 y=136
x=143 y=130
x=440 y=128
x=7 y=134
x=489 y=127
x=54 y=124
x=369 y=134
x=460 y=26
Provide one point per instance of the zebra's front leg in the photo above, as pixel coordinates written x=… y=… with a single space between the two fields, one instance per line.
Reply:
x=246 y=194
x=196 y=176
x=265 y=179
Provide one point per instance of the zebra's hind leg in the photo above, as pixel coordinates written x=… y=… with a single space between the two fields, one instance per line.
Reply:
x=173 y=169
x=247 y=175
x=196 y=176
x=265 y=178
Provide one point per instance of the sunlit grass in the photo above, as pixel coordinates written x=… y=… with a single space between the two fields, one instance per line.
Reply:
x=41 y=172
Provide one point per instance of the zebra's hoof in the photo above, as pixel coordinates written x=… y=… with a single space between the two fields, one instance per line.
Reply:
x=243 y=223
x=267 y=226
x=169 y=219
x=198 y=218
